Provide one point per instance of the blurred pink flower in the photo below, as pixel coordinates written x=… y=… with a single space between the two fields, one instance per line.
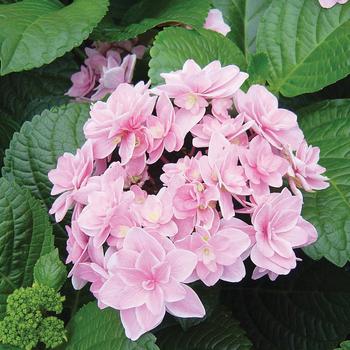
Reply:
x=215 y=22
x=83 y=82
x=330 y=3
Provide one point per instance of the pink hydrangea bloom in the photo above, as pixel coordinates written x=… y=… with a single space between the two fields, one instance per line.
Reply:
x=120 y=121
x=70 y=175
x=279 y=126
x=330 y=3
x=83 y=82
x=96 y=60
x=262 y=167
x=279 y=229
x=192 y=87
x=304 y=171
x=147 y=280
x=219 y=254
x=215 y=22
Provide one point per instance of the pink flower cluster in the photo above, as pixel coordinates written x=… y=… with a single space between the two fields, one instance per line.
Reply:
x=106 y=66
x=180 y=183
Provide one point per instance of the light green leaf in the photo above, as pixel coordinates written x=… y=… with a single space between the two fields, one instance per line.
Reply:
x=308 y=46
x=327 y=125
x=148 y=14
x=173 y=46
x=243 y=16
x=308 y=310
x=28 y=92
x=50 y=271
x=218 y=332
x=92 y=328
x=35 y=149
x=35 y=32
x=345 y=345
x=25 y=235
x=258 y=68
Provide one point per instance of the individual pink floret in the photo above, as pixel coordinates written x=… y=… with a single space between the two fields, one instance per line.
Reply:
x=304 y=171
x=279 y=126
x=234 y=129
x=114 y=74
x=220 y=169
x=262 y=167
x=330 y=3
x=70 y=175
x=192 y=87
x=120 y=122
x=219 y=254
x=215 y=22
x=104 y=209
x=83 y=82
x=279 y=229
x=166 y=134
x=147 y=280
x=157 y=213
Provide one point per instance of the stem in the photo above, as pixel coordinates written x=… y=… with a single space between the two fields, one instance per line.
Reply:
x=75 y=305
x=164 y=159
x=192 y=152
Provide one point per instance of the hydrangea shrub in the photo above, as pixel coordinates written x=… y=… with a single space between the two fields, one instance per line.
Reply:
x=192 y=178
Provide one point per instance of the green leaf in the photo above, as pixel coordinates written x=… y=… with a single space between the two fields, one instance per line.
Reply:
x=345 y=345
x=327 y=125
x=34 y=150
x=92 y=328
x=308 y=310
x=243 y=16
x=218 y=332
x=50 y=271
x=173 y=46
x=7 y=128
x=25 y=235
x=148 y=14
x=35 y=32
x=300 y=39
x=258 y=68
x=28 y=92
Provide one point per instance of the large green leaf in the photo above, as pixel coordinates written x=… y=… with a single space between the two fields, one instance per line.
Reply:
x=92 y=328
x=218 y=332
x=307 y=310
x=35 y=149
x=25 y=93
x=308 y=46
x=25 y=235
x=35 y=32
x=327 y=125
x=148 y=14
x=243 y=16
x=173 y=46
